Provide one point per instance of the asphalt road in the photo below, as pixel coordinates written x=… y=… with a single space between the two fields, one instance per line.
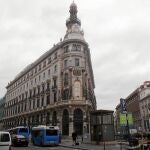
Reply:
x=32 y=147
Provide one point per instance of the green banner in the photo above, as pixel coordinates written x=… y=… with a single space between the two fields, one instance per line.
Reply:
x=130 y=119
x=124 y=117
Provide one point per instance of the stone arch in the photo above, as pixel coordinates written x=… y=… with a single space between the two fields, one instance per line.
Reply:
x=78 y=121
x=65 y=122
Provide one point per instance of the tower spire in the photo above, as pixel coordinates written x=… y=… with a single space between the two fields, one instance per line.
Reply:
x=73 y=15
x=73 y=25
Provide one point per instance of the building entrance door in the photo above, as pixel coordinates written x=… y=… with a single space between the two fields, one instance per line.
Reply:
x=78 y=121
x=65 y=122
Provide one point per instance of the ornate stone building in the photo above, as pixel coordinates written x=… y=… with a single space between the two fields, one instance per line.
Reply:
x=144 y=103
x=56 y=89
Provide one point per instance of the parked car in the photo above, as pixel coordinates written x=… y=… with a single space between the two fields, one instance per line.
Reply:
x=5 y=140
x=19 y=140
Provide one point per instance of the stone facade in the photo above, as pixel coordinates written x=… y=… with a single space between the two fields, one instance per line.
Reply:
x=138 y=102
x=133 y=106
x=2 y=103
x=145 y=106
x=56 y=89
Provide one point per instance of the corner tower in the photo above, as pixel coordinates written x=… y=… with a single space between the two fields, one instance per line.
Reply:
x=77 y=77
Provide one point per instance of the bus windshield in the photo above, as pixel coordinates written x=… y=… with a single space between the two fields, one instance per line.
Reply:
x=50 y=132
x=25 y=130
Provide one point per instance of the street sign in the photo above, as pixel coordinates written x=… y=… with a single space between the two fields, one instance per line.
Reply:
x=123 y=105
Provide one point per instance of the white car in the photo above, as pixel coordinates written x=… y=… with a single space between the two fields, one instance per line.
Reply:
x=5 y=141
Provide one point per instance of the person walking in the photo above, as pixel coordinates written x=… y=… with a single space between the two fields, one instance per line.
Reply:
x=74 y=137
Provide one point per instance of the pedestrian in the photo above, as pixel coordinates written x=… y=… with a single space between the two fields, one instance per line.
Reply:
x=74 y=137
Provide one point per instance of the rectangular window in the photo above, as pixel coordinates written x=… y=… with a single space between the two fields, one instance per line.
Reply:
x=55 y=68
x=34 y=91
x=48 y=86
x=31 y=73
x=107 y=119
x=43 y=88
x=35 y=70
x=38 y=89
x=65 y=94
x=65 y=63
x=43 y=75
x=33 y=104
x=55 y=55
x=48 y=99
x=78 y=47
x=25 y=106
x=74 y=47
x=66 y=49
x=55 y=97
x=77 y=62
x=39 y=67
x=49 y=60
x=66 y=79
x=42 y=101
x=38 y=102
x=44 y=64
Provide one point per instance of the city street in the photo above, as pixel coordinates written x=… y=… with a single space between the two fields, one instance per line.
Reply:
x=68 y=146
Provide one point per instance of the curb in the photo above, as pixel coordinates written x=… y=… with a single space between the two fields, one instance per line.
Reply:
x=73 y=147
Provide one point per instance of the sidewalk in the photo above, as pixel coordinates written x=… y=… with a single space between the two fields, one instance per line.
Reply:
x=92 y=146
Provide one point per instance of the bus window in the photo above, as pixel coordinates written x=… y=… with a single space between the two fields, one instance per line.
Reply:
x=51 y=132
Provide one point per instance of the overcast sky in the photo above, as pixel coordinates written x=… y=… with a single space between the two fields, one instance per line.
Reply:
x=118 y=33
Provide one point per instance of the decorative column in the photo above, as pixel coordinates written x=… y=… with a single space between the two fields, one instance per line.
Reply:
x=71 y=128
